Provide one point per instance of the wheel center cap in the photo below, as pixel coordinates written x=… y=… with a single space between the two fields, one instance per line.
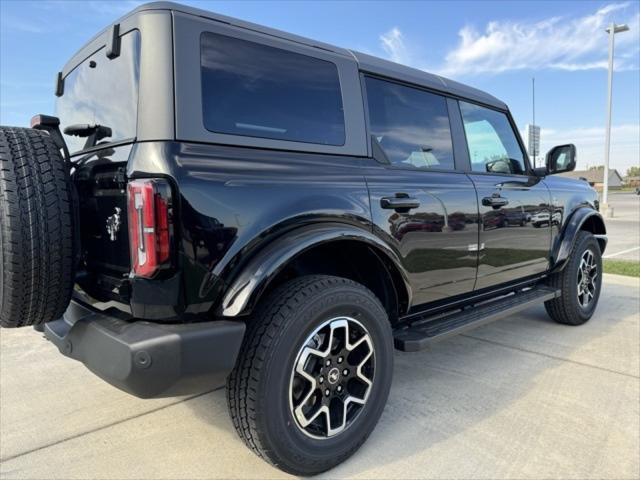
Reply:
x=334 y=375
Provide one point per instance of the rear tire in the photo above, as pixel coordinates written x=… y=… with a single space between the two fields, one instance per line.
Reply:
x=267 y=393
x=36 y=229
x=580 y=282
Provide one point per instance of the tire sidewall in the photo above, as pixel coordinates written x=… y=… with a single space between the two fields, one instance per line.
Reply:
x=309 y=454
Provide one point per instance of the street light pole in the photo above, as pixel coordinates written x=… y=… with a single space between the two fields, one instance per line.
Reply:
x=612 y=29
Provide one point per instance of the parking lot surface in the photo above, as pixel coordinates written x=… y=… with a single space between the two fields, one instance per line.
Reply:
x=623 y=229
x=520 y=398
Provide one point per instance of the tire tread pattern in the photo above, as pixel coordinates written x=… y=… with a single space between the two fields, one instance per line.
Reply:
x=36 y=223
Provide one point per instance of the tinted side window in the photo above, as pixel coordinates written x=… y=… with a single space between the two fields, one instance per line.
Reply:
x=256 y=90
x=493 y=146
x=411 y=125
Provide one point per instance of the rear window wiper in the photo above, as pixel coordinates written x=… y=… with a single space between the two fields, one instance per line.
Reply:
x=94 y=133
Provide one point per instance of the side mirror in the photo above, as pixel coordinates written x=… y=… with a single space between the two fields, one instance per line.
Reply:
x=561 y=159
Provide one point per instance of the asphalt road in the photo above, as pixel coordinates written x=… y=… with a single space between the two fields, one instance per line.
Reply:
x=624 y=228
x=520 y=398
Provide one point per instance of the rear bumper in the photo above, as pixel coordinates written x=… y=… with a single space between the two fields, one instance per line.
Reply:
x=148 y=359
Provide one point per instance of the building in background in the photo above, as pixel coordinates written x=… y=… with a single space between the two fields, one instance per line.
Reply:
x=595 y=177
x=631 y=181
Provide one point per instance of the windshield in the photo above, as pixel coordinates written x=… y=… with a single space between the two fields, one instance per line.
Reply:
x=104 y=92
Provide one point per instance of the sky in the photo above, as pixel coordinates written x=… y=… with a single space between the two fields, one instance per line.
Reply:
x=495 y=46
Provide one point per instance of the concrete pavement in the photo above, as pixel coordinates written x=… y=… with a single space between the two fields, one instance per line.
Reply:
x=520 y=398
x=624 y=228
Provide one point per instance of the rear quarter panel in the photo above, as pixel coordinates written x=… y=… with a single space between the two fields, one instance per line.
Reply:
x=232 y=201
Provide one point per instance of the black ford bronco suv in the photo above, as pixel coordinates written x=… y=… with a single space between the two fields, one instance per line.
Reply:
x=219 y=201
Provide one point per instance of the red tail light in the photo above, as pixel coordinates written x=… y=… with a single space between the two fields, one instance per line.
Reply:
x=149 y=226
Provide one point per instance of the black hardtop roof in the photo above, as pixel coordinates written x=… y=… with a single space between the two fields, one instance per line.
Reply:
x=367 y=63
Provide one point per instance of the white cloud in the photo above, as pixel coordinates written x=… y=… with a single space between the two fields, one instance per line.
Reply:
x=394 y=46
x=555 y=43
x=561 y=43
x=589 y=141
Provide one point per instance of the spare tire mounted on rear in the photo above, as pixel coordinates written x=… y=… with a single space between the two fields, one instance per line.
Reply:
x=37 y=250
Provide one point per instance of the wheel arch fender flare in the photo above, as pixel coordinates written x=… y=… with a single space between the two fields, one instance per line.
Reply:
x=247 y=287
x=583 y=218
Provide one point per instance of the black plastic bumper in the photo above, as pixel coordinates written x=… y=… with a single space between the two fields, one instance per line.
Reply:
x=148 y=359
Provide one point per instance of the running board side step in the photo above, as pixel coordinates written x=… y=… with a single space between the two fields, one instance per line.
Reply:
x=424 y=332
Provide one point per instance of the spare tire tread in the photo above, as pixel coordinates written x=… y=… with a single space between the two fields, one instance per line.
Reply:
x=36 y=218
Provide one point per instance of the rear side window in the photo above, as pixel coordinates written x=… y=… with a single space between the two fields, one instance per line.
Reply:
x=411 y=125
x=255 y=90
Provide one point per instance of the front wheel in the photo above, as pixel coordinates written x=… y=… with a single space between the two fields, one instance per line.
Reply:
x=313 y=375
x=580 y=282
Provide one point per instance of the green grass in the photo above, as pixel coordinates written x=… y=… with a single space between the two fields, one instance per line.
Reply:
x=622 y=267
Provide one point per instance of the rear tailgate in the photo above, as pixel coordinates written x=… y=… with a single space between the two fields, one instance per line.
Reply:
x=98 y=110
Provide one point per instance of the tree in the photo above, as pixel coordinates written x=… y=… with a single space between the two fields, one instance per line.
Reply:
x=633 y=171
x=597 y=167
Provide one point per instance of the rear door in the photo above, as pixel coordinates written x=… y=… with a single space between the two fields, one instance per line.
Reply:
x=511 y=246
x=420 y=204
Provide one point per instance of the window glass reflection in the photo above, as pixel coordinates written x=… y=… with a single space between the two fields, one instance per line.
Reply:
x=104 y=92
x=255 y=90
x=411 y=125
x=493 y=146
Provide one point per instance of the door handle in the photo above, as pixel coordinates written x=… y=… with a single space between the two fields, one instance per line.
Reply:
x=495 y=201
x=399 y=203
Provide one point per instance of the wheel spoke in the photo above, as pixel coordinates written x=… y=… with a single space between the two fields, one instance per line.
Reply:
x=306 y=421
x=361 y=375
x=345 y=405
x=360 y=341
x=343 y=421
